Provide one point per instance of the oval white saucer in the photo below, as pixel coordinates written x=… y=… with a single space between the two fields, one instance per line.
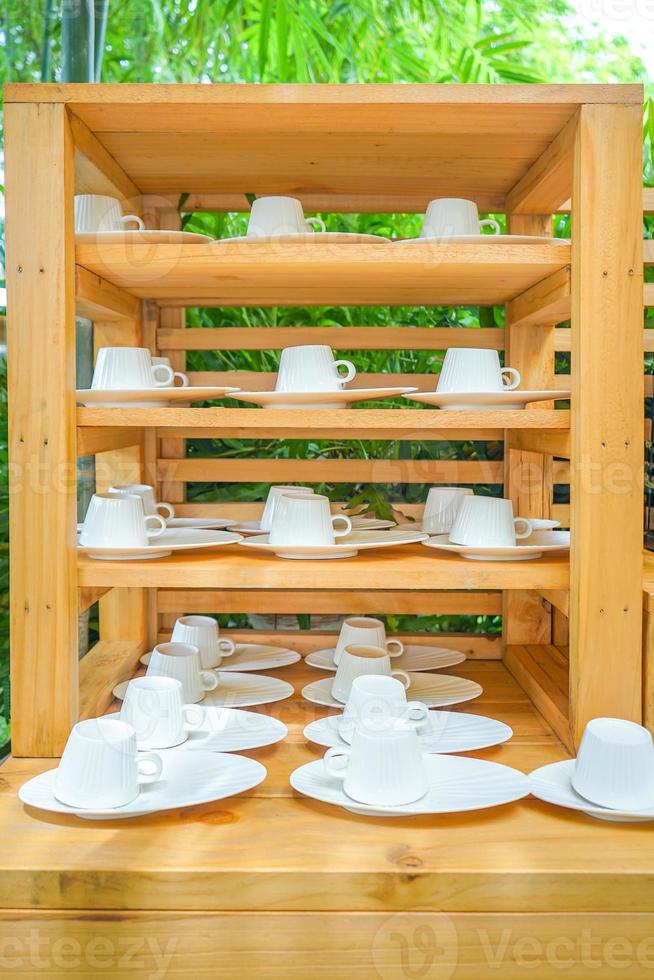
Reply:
x=553 y=784
x=138 y=236
x=413 y=657
x=346 y=547
x=321 y=237
x=475 y=239
x=485 y=400
x=202 y=523
x=187 y=779
x=251 y=656
x=456 y=784
x=358 y=524
x=534 y=546
x=181 y=539
x=144 y=397
x=317 y=399
x=236 y=690
x=537 y=523
x=434 y=690
x=444 y=731
x=229 y=730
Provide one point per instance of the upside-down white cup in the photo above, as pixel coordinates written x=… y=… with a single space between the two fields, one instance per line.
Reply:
x=488 y=522
x=182 y=661
x=615 y=765
x=118 y=520
x=359 y=660
x=306 y=519
x=451 y=216
x=365 y=631
x=100 y=768
x=273 y=497
x=128 y=368
x=376 y=702
x=475 y=369
x=202 y=632
x=311 y=367
x=441 y=507
x=146 y=493
x=382 y=767
x=154 y=707
x=275 y=215
x=98 y=212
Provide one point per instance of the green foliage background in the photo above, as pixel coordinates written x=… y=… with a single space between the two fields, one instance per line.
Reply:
x=213 y=41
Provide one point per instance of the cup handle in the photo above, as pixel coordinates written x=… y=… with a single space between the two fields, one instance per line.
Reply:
x=338 y=772
x=184 y=381
x=133 y=217
x=154 y=532
x=402 y=676
x=528 y=527
x=191 y=723
x=346 y=529
x=351 y=371
x=153 y=759
x=169 y=374
x=317 y=221
x=421 y=710
x=226 y=647
x=168 y=508
x=209 y=680
x=490 y=223
x=399 y=648
x=514 y=375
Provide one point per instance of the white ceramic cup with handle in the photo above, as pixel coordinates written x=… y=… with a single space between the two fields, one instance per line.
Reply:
x=202 y=632
x=359 y=660
x=183 y=379
x=273 y=497
x=155 y=709
x=311 y=367
x=448 y=217
x=614 y=767
x=306 y=519
x=382 y=767
x=100 y=768
x=475 y=369
x=99 y=212
x=120 y=368
x=441 y=508
x=376 y=702
x=182 y=661
x=271 y=217
x=488 y=522
x=118 y=520
x=365 y=631
x=146 y=493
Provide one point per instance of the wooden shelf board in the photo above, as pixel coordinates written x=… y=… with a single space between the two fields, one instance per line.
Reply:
x=267 y=274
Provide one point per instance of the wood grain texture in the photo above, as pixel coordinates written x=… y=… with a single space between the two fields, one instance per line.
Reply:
x=548 y=182
x=95 y=298
x=546 y=302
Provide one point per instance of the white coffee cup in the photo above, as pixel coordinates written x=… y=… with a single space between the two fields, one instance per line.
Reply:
x=97 y=212
x=100 y=768
x=475 y=369
x=311 y=367
x=376 y=702
x=146 y=493
x=202 y=632
x=154 y=707
x=382 y=767
x=182 y=661
x=615 y=765
x=118 y=368
x=119 y=520
x=447 y=217
x=359 y=660
x=274 y=216
x=441 y=508
x=306 y=519
x=368 y=632
x=488 y=522
x=271 y=502
x=179 y=375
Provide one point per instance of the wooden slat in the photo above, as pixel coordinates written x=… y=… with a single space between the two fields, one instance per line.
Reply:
x=340 y=338
x=91 y=441
x=552 y=443
x=96 y=171
x=546 y=302
x=87 y=597
x=548 y=182
x=648 y=294
x=105 y=665
x=95 y=298
x=533 y=668
x=559 y=599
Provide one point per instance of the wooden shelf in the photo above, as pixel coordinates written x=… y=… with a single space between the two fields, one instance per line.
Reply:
x=406 y=567
x=264 y=274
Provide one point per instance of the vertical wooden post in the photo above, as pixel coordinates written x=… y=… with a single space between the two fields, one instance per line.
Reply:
x=42 y=443
x=607 y=419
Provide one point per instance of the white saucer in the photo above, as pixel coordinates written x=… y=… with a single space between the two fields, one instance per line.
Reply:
x=236 y=690
x=358 y=524
x=485 y=400
x=164 y=544
x=317 y=399
x=145 y=397
x=533 y=547
x=447 y=731
x=200 y=523
x=187 y=780
x=553 y=784
x=230 y=730
x=251 y=656
x=346 y=547
x=474 y=239
x=321 y=237
x=457 y=784
x=412 y=658
x=434 y=690
x=537 y=523
x=136 y=236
